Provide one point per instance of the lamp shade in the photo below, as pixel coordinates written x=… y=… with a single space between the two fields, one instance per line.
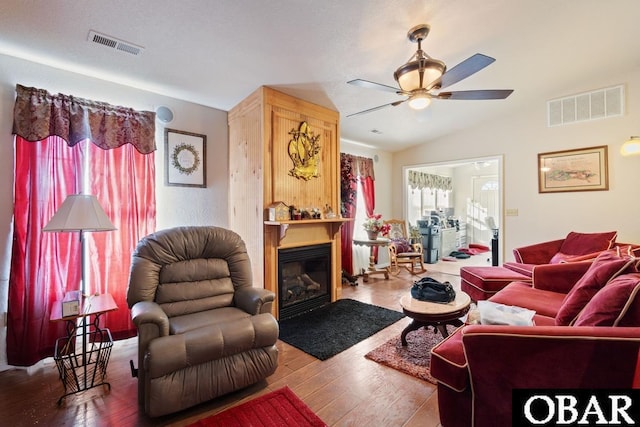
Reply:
x=631 y=147
x=419 y=74
x=419 y=101
x=80 y=212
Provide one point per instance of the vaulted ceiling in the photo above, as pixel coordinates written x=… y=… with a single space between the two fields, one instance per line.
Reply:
x=215 y=53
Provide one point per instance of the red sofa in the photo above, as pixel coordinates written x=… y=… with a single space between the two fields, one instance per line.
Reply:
x=574 y=247
x=586 y=335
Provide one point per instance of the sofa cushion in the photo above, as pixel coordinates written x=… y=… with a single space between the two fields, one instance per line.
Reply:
x=481 y=282
x=617 y=304
x=604 y=268
x=586 y=243
x=520 y=294
x=189 y=322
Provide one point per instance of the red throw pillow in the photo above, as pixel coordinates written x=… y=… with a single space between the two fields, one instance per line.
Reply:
x=617 y=304
x=604 y=268
x=586 y=243
x=560 y=257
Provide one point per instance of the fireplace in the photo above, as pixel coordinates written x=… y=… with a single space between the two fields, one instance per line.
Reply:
x=304 y=279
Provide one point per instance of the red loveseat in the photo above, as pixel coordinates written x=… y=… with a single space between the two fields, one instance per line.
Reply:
x=586 y=335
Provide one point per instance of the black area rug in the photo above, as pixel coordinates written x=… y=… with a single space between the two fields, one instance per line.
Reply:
x=331 y=329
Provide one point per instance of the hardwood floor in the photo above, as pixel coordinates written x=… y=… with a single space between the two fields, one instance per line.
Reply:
x=345 y=390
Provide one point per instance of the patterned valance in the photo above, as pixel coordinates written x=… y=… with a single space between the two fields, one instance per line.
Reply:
x=420 y=180
x=37 y=114
x=364 y=167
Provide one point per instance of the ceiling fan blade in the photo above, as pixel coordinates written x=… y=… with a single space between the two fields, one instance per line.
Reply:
x=371 y=85
x=464 y=69
x=393 y=104
x=476 y=94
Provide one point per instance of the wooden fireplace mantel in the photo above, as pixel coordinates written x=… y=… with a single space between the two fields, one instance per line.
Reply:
x=284 y=225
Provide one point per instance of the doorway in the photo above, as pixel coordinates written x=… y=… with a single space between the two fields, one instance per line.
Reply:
x=483 y=205
x=473 y=204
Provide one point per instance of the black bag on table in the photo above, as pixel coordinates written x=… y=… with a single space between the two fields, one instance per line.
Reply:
x=428 y=289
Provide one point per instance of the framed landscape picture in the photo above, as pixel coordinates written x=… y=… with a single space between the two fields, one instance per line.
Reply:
x=185 y=158
x=583 y=169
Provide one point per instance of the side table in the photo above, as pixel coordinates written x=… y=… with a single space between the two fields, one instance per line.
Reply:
x=84 y=368
x=379 y=242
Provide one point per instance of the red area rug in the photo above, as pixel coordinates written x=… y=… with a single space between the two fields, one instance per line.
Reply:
x=474 y=249
x=415 y=358
x=280 y=408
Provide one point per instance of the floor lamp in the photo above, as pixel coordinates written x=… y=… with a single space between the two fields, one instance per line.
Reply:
x=80 y=212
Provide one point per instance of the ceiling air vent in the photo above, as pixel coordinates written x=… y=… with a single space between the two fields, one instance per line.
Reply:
x=586 y=106
x=114 y=43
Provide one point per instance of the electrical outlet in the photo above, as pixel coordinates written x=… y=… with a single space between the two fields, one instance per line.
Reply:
x=512 y=212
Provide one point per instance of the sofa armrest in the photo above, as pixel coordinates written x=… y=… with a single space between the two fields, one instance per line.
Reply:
x=539 y=253
x=558 y=277
x=254 y=300
x=151 y=321
x=148 y=313
x=544 y=357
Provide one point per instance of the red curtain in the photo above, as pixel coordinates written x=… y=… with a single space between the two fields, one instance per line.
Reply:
x=354 y=169
x=40 y=273
x=369 y=197
x=348 y=194
x=44 y=266
x=130 y=203
x=61 y=141
x=368 y=194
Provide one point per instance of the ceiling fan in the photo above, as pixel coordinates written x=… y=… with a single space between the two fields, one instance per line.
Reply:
x=422 y=78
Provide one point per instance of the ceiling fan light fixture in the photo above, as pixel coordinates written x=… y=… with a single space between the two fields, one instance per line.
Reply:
x=419 y=74
x=419 y=101
x=422 y=78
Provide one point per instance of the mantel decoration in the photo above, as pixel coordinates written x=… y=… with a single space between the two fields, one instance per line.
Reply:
x=185 y=158
x=583 y=169
x=304 y=151
x=375 y=226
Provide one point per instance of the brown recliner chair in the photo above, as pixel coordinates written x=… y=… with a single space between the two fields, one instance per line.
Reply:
x=203 y=329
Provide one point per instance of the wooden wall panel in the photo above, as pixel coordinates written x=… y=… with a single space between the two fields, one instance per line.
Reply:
x=259 y=165
x=315 y=192
x=246 y=179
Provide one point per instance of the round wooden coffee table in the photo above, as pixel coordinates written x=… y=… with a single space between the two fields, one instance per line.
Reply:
x=426 y=313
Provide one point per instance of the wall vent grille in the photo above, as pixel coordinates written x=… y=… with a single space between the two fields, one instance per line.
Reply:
x=586 y=106
x=114 y=43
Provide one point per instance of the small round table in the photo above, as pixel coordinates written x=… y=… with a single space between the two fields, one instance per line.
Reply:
x=379 y=242
x=426 y=313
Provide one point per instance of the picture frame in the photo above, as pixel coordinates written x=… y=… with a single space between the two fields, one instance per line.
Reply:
x=185 y=158
x=584 y=169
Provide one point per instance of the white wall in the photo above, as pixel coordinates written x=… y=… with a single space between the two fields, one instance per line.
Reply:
x=524 y=134
x=175 y=205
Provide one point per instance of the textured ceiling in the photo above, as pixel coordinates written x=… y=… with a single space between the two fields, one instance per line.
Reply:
x=215 y=53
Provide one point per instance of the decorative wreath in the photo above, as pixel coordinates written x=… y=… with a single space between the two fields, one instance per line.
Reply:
x=176 y=163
